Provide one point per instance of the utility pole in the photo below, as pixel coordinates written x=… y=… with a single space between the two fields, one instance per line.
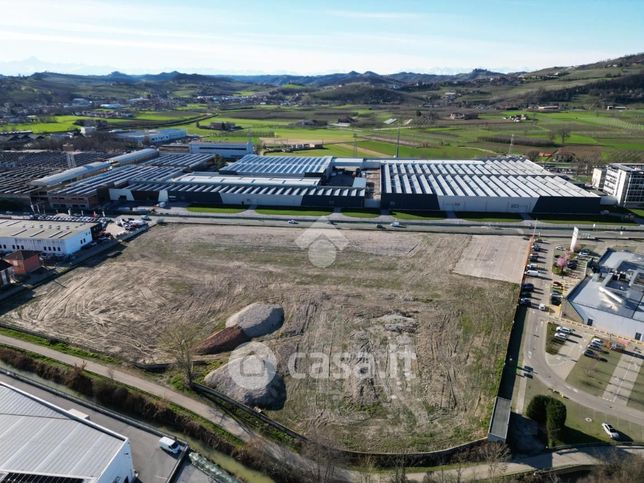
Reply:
x=398 y=143
x=511 y=144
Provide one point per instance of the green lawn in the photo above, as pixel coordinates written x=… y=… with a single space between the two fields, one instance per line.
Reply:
x=578 y=430
x=216 y=209
x=492 y=217
x=582 y=220
x=419 y=215
x=637 y=394
x=362 y=213
x=292 y=211
x=592 y=375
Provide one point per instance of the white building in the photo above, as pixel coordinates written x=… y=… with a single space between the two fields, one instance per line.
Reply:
x=625 y=183
x=42 y=442
x=612 y=299
x=49 y=237
x=155 y=136
x=224 y=150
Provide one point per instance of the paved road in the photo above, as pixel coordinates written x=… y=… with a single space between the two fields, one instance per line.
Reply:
x=559 y=459
x=276 y=451
x=150 y=461
x=534 y=355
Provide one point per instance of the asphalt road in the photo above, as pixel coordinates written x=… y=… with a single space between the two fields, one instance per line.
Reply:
x=534 y=351
x=150 y=461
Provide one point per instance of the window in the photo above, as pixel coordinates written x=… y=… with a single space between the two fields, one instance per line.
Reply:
x=638 y=336
x=590 y=322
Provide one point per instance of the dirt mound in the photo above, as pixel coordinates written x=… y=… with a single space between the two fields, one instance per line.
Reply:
x=223 y=341
x=398 y=323
x=258 y=319
x=251 y=380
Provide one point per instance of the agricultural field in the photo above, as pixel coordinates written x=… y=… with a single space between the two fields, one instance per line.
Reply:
x=386 y=293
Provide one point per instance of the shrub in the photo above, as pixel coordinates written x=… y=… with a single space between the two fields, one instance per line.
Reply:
x=77 y=380
x=536 y=410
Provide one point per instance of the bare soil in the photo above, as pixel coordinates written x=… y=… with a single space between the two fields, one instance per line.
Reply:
x=386 y=293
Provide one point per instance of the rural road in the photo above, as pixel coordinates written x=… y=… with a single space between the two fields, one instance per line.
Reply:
x=565 y=458
x=278 y=452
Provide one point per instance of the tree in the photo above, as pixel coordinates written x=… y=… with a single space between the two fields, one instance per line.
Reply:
x=179 y=341
x=563 y=133
x=552 y=412
x=533 y=155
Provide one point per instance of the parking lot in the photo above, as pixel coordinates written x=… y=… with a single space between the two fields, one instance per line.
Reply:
x=150 y=461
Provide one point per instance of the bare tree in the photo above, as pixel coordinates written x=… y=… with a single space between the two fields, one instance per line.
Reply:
x=179 y=341
x=563 y=133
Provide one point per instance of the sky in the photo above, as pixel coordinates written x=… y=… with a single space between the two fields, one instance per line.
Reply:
x=314 y=36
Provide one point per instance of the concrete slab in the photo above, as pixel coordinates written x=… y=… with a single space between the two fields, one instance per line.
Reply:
x=621 y=384
x=494 y=257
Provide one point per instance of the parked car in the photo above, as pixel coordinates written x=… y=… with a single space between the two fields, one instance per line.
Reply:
x=292 y=222
x=525 y=295
x=529 y=287
x=565 y=330
x=395 y=224
x=610 y=431
x=532 y=266
x=524 y=301
x=170 y=445
x=559 y=247
x=617 y=347
x=561 y=336
x=543 y=307
x=597 y=339
x=584 y=252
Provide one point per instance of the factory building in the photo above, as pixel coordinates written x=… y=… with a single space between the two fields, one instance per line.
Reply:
x=503 y=184
x=612 y=299
x=49 y=237
x=153 y=136
x=622 y=182
x=223 y=150
x=40 y=441
x=284 y=166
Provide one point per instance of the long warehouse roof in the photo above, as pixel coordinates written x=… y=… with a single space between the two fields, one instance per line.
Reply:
x=279 y=165
x=500 y=177
x=41 y=230
x=251 y=189
x=179 y=160
x=37 y=437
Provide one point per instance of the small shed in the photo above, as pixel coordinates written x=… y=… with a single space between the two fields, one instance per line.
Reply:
x=6 y=272
x=24 y=262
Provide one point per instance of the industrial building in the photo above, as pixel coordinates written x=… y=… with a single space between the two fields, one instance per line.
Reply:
x=503 y=184
x=153 y=136
x=622 y=182
x=49 y=237
x=223 y=150
x=43 y=442
x=612 y=299
x=24 y=262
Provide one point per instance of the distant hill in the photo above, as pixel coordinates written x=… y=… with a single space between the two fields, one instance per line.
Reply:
x=614 y=80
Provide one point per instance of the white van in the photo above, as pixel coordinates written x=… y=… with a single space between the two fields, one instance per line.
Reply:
x=169 y=445
x=532 y=273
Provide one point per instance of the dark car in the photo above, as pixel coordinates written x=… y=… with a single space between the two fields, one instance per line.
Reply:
x=529 y=287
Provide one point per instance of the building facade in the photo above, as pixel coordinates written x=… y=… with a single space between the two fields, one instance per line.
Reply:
x=625 y=183
x=48 y=237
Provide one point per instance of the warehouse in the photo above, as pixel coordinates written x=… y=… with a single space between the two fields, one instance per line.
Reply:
x=507 y=184
x=284 y=166
x=49 y=237
x=154 y=136
x=91 y=192
x=223 y=150
x=43 y=442
x=613 y=298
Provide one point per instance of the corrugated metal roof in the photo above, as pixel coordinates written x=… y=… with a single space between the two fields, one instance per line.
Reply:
x=279 y=165
x=38 y=437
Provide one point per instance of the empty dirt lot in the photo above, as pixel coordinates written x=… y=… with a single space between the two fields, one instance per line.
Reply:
x=386 y=292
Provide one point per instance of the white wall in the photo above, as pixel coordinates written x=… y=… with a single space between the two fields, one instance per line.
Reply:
x=121 y=467
x=66 y=246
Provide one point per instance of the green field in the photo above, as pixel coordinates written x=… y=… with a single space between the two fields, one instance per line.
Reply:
x=491 y=217
x=636 y=399
x=592 y=375
x=419 y=215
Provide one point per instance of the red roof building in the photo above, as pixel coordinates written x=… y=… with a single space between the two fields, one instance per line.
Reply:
x=24 y=261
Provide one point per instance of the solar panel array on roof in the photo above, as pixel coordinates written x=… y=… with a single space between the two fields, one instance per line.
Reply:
x=118 y=177
x=180 y=160
x=279 y=165
x=496 y=177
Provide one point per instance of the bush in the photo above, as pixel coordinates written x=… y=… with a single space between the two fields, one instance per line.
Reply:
x=536 y=410
x=549 y=411
x=77 y=380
